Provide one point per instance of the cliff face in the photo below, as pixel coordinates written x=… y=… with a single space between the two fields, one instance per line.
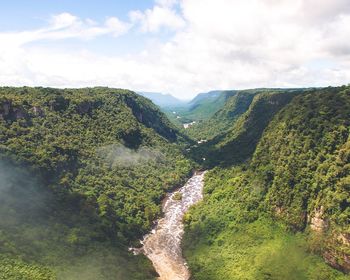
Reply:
x=304 y=157
x=296 y=175
x=336 y=244
x=337 y=253
x=13 y=112
x=151 y=118
x=237 y=144
x=8 y=111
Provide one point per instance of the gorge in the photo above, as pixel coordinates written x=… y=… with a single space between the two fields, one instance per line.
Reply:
x=84 y=174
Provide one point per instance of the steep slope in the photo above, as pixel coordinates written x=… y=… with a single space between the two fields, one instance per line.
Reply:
x=202 y=107
x=223 y=119
x=237 y=143
x=206 y=97
x=273 y=217
x=104 y=159
x=304 y=156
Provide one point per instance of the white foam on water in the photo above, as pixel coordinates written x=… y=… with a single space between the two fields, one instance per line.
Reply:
x=163 y=245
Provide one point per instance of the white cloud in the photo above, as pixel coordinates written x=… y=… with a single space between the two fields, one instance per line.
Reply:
x=216 y=44
x=66 y=26
x=166 y=3
x=160 y=16
x=116 y=27
x=63 y=20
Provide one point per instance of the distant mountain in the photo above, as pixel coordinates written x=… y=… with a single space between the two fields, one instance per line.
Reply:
x=204 y=105
x=206 y=96
x=200 y=108
x=162 y=100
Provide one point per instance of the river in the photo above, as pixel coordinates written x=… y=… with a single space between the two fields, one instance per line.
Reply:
x=163 y=244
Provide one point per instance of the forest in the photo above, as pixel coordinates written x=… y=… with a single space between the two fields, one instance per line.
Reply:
x=277 y=213
x=83 y=174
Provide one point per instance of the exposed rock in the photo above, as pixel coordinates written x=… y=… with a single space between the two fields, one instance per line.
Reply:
x=139 y=117
x=5 y=109
x=59 y=104
x=318 y=222
x=338 y=260
x=84 y=107
x=10 y=112
x=38 y=111
x=344 y=238
x=163 y=245
x=20 y=113
x=279 y=211
x=150 y=119
x=334 y=253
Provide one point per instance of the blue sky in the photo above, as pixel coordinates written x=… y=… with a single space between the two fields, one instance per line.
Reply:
x=180 y=47
x=32 y=14
x=19 y=14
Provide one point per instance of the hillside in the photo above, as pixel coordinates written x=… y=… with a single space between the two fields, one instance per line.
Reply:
x=224 y=118
x=237 y=143
x=206 y=97
x=276 y=215
x=223 y=121
x=200 y=108
x=232 y=133
x=83 y=173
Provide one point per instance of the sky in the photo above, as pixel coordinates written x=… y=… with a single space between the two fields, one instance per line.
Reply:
x=180 y=47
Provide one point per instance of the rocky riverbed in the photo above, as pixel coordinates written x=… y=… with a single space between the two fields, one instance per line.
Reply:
x=163 y=245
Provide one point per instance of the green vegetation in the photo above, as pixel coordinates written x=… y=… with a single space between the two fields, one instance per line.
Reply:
x=303 y=157
x=201 y=108
x=177 y=196
x=224 y=118
x=243 y=102
x=16 y=269
x=274 y=216
x=237 y=143
x=83 y=173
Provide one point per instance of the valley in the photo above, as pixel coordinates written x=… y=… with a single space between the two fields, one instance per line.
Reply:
x=175 y=140
x=100 y=166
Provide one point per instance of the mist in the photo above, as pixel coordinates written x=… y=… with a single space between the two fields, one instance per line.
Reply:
x=22 y=197
x=117 y=155
x=37 y=227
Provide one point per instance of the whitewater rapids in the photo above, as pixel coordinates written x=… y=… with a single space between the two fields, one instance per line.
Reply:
x=163 y=245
